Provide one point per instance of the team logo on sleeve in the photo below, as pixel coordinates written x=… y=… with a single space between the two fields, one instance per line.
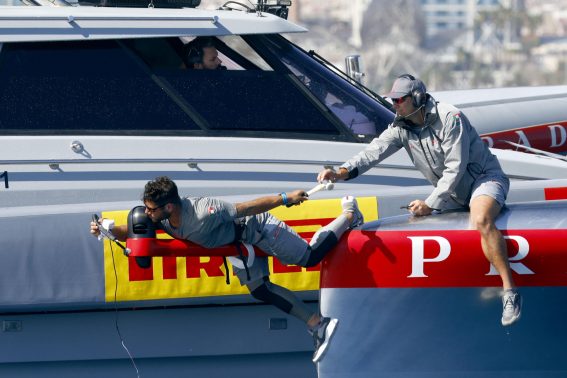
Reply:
x=457 y=117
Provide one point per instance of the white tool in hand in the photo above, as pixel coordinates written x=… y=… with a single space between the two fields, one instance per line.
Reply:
x=323 y=186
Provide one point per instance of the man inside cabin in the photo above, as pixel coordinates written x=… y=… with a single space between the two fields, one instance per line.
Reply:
x=201 y=54
x=448 y=151
x=211 y=223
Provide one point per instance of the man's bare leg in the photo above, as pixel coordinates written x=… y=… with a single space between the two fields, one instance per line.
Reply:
x=484 y=210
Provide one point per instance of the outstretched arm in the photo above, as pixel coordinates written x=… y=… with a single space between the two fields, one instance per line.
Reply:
x=379 y=149
x=263 y=204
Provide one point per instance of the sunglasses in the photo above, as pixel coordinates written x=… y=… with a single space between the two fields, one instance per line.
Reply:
x=398 y=101
x=154 y=209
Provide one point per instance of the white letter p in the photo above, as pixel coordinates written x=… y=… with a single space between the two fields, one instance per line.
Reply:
x=418 y=253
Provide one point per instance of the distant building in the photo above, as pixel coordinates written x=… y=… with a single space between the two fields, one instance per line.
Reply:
x=347 y=12
x=454 y=17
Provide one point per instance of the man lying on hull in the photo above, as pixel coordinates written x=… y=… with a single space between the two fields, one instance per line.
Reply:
x=448 y=151
x=211 y=223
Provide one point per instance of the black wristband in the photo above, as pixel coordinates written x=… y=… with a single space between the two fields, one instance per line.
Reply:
x=352 y=174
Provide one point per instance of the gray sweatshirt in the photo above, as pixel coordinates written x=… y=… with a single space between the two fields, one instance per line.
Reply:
x=446 y=150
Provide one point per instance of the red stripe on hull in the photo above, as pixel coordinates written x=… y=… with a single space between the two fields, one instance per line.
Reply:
x=148 y=247
x=550 y=137
x=555 y=193
x=423 y=259
x=145 y=247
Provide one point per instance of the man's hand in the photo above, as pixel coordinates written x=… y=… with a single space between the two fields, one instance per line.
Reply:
x=331 y=175
x=95 y=230
x=120 y=232
x=297 y=197
x=419 y=208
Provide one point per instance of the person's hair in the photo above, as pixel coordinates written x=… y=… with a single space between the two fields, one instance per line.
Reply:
x=193 y=51
x=161 y=190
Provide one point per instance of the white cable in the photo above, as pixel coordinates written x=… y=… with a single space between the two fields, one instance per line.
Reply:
x=116 y=315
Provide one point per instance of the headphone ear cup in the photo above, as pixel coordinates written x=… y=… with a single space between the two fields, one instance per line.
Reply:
x=417 y=98
x=418 y=95
x=195 y=55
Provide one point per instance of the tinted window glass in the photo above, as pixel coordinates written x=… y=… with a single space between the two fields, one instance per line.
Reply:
x=250 y=100
x=82 y=87
x=142 y=87
x=359 y=113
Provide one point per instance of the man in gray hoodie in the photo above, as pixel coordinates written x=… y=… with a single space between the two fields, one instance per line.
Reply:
x=449 y=153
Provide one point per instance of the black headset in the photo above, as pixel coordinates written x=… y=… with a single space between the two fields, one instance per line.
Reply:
x=195 y=55
x=418 y=91
x=196 y=49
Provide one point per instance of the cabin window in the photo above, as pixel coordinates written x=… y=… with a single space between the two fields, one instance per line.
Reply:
x=247 y=96
x=143 y=87
x=249 y=100
x=357 y=112
x=82 y=87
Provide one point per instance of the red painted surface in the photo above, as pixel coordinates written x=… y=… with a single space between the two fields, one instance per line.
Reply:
x=550 y=137
x=170 y=249
x=555 y=193
x=136 y=273
x=395 y=259
x=175 y=247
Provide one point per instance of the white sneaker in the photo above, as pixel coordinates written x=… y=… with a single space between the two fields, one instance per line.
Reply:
x=322 y=335
x=350 y=205
x=511 y=307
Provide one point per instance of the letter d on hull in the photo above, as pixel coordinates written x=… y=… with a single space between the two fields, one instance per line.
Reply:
x=418 y=253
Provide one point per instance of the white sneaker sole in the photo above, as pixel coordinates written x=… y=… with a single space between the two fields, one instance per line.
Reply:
x=329 y=332
x=513 y=320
